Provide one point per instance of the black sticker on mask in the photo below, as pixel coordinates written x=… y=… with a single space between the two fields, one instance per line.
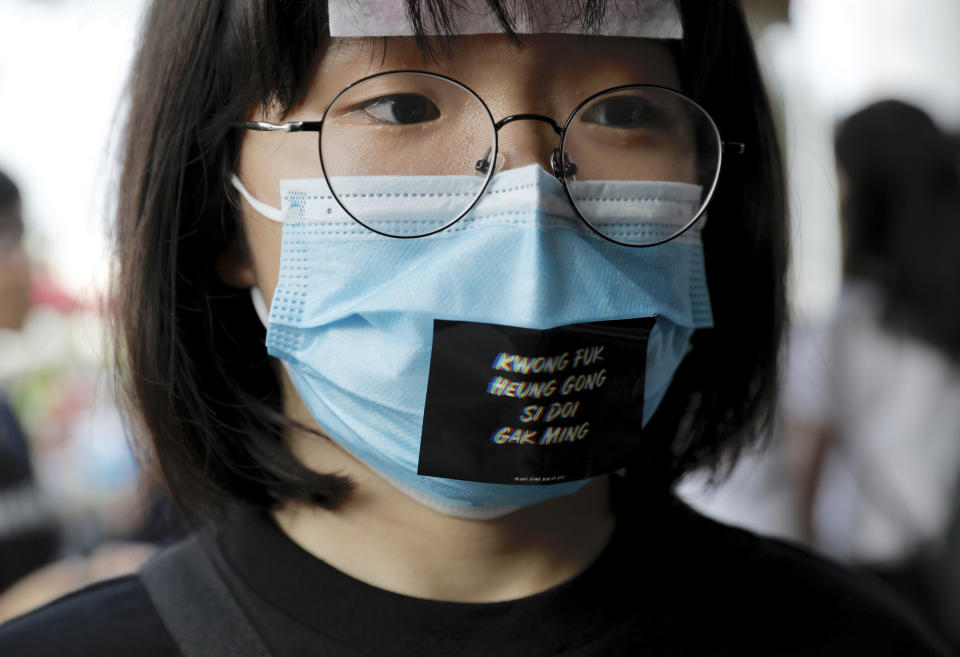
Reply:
x=510 y=405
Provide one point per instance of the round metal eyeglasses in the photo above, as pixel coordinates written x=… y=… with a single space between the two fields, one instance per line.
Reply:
x=638 y=163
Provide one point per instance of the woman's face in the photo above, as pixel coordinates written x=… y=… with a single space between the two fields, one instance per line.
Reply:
x=549 y=76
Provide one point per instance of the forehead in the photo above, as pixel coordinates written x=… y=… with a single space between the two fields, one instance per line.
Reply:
x=492 y=64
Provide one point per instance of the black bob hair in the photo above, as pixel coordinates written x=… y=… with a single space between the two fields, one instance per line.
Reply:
x=191 y=349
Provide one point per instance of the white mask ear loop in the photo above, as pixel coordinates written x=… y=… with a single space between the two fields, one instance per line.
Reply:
x=268 y=211
x=260 y=305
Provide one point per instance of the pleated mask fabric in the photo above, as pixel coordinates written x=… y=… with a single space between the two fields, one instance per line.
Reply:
x=353 y=311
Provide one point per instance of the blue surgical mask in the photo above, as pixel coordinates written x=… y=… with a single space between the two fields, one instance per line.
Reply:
x=365 y=323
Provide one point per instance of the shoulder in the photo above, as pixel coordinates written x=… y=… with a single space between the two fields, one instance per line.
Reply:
x=107 y=619
x=771 y=593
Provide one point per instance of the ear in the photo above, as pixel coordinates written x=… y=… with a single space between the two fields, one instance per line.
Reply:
x=235 y=267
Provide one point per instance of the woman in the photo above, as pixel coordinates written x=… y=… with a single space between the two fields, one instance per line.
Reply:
x=478 y=290
x=27 y=540
x=873 y=396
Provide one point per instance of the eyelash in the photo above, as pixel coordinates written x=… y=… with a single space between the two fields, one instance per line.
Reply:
x=432 y=111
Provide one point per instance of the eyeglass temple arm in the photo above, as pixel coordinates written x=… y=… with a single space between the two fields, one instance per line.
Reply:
x=292 y=126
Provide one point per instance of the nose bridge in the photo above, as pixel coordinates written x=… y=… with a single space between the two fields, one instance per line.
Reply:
x=527 y=139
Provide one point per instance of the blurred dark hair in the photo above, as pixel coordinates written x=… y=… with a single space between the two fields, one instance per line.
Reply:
x=192 y=348
x=901 y=218
x=11 y=221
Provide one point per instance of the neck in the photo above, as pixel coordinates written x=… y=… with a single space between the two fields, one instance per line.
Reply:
x=384 y=538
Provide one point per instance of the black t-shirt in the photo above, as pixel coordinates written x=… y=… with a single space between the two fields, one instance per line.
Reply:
x=670 y=582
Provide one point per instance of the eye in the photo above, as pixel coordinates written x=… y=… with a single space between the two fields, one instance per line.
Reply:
x=627 y=112
x=400 y=109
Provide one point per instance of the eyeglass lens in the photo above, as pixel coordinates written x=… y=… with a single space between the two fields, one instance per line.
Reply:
x=646 y=135
x=427 y=128
x=433 y=131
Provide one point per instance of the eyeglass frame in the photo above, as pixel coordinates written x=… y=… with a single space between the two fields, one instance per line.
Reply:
x=732 y=147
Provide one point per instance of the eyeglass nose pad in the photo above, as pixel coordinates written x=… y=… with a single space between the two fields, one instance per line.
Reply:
x=482 y=166
x=569 y=169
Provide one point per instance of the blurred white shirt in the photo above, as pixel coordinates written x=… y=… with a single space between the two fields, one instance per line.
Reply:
x=889 y=481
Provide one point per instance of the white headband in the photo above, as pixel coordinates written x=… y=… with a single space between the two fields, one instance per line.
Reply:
x=651 y=19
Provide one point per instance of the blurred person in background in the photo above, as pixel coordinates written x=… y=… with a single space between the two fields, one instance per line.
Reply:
x=38 y=561
x=28 y=534
x=872 y=396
